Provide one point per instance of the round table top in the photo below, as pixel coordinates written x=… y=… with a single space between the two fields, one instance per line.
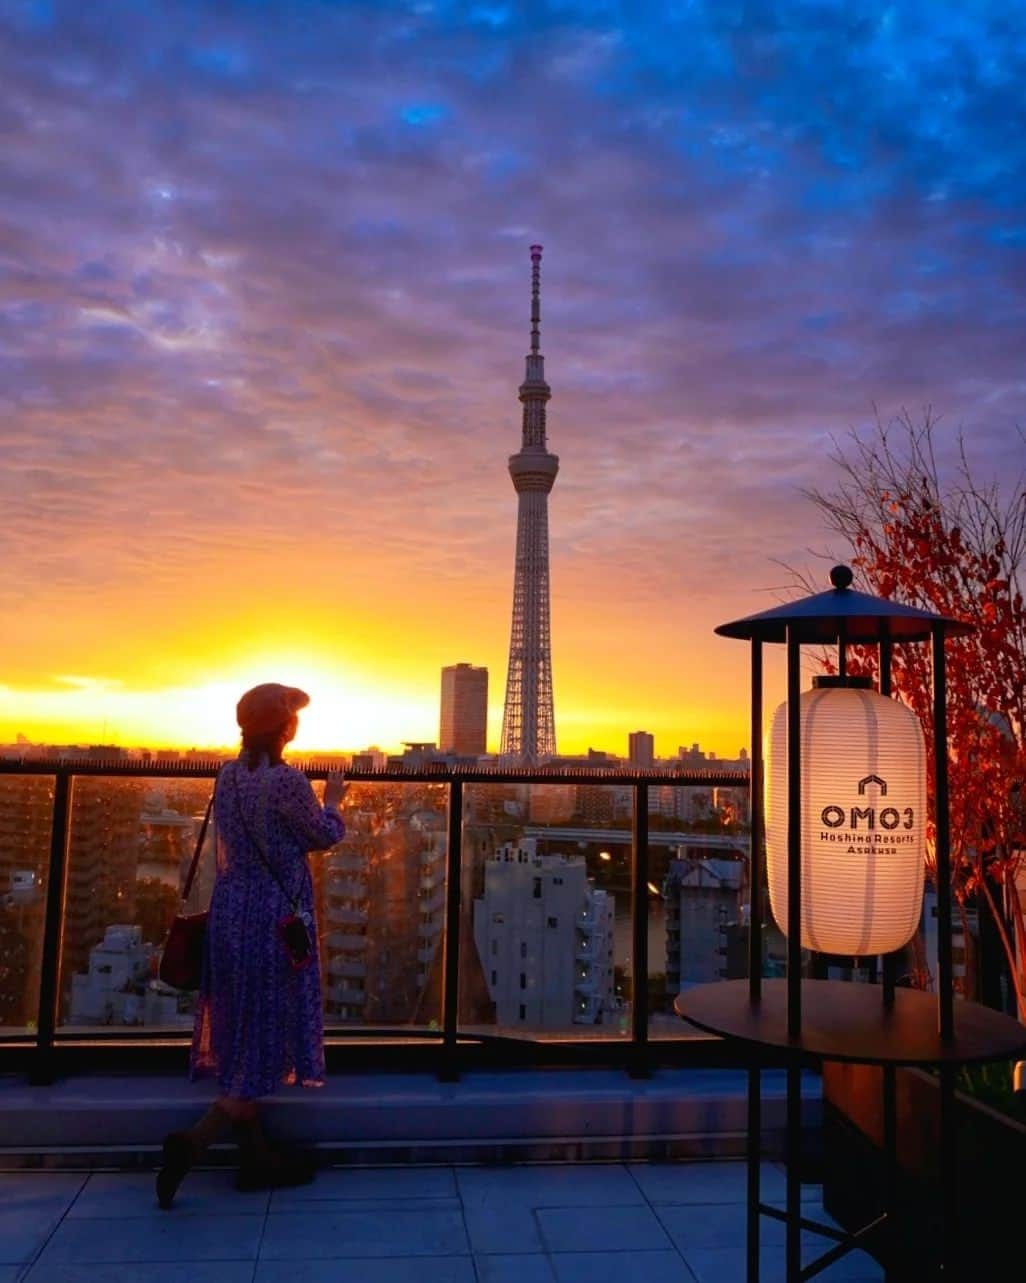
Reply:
x=847 y=1021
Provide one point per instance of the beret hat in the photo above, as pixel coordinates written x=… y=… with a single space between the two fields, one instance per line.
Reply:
x=268 y=706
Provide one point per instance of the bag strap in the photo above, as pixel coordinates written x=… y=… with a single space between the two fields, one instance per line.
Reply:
x=191 y=875
x=293 y=904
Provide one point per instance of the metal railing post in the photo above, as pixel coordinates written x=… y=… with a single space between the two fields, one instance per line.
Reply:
x=640 y=1067
x=41 y=1072
x=451 y=956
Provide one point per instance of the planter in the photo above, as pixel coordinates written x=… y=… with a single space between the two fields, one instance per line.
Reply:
x=990 y=1171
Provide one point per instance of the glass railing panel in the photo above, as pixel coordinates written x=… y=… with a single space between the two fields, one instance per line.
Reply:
x=130 y=842
x=379 y=899
x=26 y=818
x=697 y=895
x=381 y=908
x=546 y=910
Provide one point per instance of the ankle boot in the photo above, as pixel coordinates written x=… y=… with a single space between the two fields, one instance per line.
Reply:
x=265 y=1166
x=182 y=1150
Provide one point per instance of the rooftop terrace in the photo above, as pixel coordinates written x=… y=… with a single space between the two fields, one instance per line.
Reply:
x=601 y=1223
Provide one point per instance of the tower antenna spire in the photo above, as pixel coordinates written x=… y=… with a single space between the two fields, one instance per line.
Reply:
x=536 y=253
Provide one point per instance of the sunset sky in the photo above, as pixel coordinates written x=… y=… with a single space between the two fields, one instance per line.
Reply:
x=264 y=291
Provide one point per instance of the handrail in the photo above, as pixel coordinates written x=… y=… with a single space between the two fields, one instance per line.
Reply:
x=318 y=770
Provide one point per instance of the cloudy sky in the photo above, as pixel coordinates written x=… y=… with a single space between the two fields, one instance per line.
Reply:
x=264 y=298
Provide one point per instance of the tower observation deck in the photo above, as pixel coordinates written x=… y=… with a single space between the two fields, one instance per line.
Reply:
x=528 y=719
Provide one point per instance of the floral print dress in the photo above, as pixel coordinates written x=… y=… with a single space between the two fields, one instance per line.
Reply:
x=258 y=1021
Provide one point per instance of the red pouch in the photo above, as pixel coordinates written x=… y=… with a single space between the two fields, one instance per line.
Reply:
x=296 y=939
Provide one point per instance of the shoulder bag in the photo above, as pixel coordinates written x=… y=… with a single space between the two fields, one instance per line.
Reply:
x=181 y=963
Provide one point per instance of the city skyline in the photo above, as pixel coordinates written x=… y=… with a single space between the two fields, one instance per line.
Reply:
x=258 y=341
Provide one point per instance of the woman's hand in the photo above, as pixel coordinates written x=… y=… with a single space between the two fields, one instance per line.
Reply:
x=335 y=789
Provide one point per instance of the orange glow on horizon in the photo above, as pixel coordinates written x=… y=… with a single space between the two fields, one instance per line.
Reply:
x=348 y=710
x=371 y=667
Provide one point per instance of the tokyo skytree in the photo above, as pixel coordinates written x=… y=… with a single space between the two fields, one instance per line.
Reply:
x=528 y=720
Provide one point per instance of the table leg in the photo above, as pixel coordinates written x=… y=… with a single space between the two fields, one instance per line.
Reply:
x=794 y=1183
x=754 y=1156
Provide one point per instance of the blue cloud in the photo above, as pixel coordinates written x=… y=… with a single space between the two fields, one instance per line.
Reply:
x=423 y=114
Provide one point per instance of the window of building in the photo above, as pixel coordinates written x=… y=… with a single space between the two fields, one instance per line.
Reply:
x=523 y=1012
x=495 y=948
x=495 y=977
x=553 y=922
x=523 y=980
x=537 y=888
x=523 y=948
x=498 y=919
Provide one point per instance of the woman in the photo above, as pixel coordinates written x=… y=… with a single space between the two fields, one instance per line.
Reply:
x=258 y=1010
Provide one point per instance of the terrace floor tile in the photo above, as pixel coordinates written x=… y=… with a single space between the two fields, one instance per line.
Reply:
x=31 y=1207
x=129 y=1194
x=620 y=1267
x=378 y=1230
x=357 y=1184
x=718 y=1182
x=406 y=1269
x=601 y=1229
x=572 y=1185
x=161 y=1236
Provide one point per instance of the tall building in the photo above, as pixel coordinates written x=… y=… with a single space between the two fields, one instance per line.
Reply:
x=528 y=719
x=702 y=898
x=26 y=818
x=544 y=935
x=641 y=748
x=464 y=719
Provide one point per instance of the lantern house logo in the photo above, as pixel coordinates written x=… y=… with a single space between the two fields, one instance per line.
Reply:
x=869 y=818
x=873 y=779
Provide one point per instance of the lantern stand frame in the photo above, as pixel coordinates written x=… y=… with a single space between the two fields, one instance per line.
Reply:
x=802 y=1023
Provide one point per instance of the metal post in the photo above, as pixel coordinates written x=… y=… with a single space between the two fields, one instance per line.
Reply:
x=950 y=1244
x=794 y=838
x=890 y=960
x=639 y=945
x=794 y=954
x=945 y=986
x=890 y=1190
x=754 y=1170
x=794 y=1183
x=755 y=874
x=451 y=956
x=885 y=666
x=755 y=867
x=53 y=932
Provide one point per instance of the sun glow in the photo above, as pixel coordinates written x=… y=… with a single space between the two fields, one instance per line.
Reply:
x=347 y=710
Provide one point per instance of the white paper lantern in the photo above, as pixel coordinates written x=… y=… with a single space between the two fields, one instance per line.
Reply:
x=863 y=802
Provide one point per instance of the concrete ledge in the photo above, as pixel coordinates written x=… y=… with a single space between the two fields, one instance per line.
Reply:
x=487 y=1117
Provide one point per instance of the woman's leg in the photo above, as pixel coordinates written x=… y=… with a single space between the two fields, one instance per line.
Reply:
x=238 y=1110
x=182 y=1150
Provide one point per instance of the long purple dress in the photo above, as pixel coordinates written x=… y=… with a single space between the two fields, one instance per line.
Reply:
x=258 y=1020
